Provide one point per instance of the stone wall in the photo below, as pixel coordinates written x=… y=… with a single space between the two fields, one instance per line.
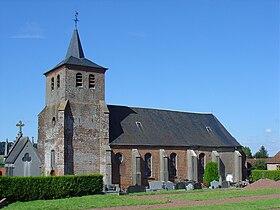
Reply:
x=74 y=124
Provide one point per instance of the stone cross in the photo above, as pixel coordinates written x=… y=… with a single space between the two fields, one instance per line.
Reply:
x=20 y=125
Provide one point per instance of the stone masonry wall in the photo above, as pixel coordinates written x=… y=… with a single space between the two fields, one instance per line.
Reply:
x=73 y=123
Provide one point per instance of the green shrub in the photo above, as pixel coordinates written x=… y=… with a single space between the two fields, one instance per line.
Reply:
x=260 y=165
x=211 y=173
x=269 y=174
x=50 y=187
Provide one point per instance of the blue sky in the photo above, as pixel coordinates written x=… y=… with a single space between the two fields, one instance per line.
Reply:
x=219 y=56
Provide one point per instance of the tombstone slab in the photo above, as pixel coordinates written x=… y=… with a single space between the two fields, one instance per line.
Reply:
x=214 y=184
x=189 y=187
x=169 y=185
x=136 y=188
x=180 y=185
x=197 y=186
x=225 y=184
x=156 y=185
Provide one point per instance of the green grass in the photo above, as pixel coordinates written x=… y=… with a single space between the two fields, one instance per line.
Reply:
x=220 y=194
x=84 y=202
x=271 y=203
x=103 y=201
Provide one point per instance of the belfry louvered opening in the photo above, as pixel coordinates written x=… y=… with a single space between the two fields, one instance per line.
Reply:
x=58 y=81
x=79 y=80
x=91 y=83
x=52 y=83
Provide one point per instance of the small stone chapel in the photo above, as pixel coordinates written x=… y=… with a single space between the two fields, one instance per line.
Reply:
x=22 y=158
x=79 y=133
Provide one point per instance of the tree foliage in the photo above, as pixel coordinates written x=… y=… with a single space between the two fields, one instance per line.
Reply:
x=211 y=172
x=260 y=165
x=262 y=153
x=247 y=152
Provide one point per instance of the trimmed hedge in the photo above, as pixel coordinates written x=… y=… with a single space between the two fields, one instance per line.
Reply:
x=211 y=173
x=49 y=187
x=269 y=174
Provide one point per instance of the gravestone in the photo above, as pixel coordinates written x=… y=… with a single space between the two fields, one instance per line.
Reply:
x=229 y=178
x=169 y=185
x=112 y=188
x=136 y=188
x=156 y=185
x=180 y=185
x=190 y=182
x=197 y=186
x=189 y=187
x=225 y=184
x=214 y=184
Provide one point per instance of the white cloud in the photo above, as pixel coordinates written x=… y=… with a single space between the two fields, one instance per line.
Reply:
x=268 y=130
x=27 y=36
x=29 y=31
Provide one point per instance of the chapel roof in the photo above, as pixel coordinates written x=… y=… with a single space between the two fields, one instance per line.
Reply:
x=75 y=55
x=154 y=127
x=16 y=149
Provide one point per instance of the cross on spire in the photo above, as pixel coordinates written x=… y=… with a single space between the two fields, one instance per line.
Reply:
x=76 y=19
x=20 y=125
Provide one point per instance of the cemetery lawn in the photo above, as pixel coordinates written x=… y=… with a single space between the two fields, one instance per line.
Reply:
x=220 y=194
x=272 y=203
x=84 y=202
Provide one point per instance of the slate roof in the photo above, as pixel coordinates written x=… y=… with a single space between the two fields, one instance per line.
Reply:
x=154 y=127
x=275 y=159
x=272 y=160
x=16 y=149
x=75 y=55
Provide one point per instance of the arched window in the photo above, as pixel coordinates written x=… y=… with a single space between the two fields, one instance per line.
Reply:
x=53 y=121
x=79 y=80
x=118 y=158
x=52 y=159
x=148 y=165
x=172 y=165
x=58 y=81
x=200 y=167
x=52 y=83
x=91 y=81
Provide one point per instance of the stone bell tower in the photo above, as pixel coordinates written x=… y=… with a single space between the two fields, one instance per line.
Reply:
x=73 y=131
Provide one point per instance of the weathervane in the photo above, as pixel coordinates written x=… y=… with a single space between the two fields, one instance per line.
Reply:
x=76 y=19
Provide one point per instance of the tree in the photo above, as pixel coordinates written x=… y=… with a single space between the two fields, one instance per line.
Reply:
x=211 y=172
x=260 y=165
x=262 y=153
x=247 y=152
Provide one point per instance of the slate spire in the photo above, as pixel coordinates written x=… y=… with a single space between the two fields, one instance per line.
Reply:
x=75 y=54
x=75 y=47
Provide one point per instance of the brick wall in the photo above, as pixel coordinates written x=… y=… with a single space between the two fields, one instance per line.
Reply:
x=123 y=174
x=3 y=171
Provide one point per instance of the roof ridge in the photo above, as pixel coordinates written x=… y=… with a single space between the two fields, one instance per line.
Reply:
x=164 y=109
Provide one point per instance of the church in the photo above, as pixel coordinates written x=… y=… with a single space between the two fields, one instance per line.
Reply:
x=78 y=133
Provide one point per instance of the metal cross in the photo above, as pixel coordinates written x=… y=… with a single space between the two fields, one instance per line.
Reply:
x=20 y=125
x=76 y=19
